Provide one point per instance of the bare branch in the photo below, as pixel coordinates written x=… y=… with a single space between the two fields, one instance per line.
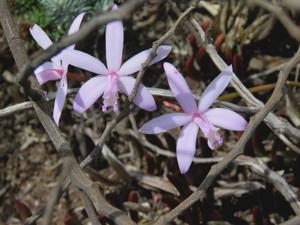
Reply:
x=294 y=221
x=258 y=167
x=285 y=20
x=81 y=181
x=89 y=208
x=54 y=197
x=218 y=103
x=15 y=108
x=143 y=141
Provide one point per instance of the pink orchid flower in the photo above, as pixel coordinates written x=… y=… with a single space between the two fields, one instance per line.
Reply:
x=193 y=117
x=114 y=77
x=56 y=69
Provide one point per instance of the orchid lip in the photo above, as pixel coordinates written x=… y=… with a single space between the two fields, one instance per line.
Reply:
x=209 y=131
x=110 y=96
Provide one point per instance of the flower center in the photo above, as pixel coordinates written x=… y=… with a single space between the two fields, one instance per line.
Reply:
x=210 y=131
x=110 y=96
x=196 y=115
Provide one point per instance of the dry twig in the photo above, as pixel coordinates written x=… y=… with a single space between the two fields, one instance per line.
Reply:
x=15 y=108
x=279 y=12
x=294 y=221
x=89 y=208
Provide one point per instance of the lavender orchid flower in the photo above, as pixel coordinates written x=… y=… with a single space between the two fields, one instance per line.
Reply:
x=113 y=78
x=56 y=69
x=193 y=117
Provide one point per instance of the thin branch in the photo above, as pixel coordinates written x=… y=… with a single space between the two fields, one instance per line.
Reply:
x=217 y=103
x=258 y=167
x=89 y=208
x=294 y=221
x=143 y=141
x=156 y=45
x=290 y=26
x=32 y=219
x=54 y=197
x=81 y=181
x=10 y=110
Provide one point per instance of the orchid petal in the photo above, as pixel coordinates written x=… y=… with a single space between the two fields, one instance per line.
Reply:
x=76 y=24
x=60 y=98
x=180 y=89
x=40 y=36
x=114 y=43
x=83 y=61
x=65 y=65
x=75 y=27
x=214 y=140
x=209 y=131
x=214 y=89
x=186 y=146
x=48 y=71
x=89 y=92
x=165 y=122
x=134 y=64
x=56 y=60
x=226 y=119
x=143 y=98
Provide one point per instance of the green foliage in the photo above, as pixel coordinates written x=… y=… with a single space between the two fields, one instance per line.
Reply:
x=25 y=6
x=31 y=12
x=64 y=11
x=55 y=16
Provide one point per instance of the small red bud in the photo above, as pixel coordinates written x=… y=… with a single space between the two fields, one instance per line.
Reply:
x=205 y=25
x=228 y=55
x=201 y=53
x=219 y=41
x=188 y=63
x=170 y=105
x=192 y=39
x=133 y=196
